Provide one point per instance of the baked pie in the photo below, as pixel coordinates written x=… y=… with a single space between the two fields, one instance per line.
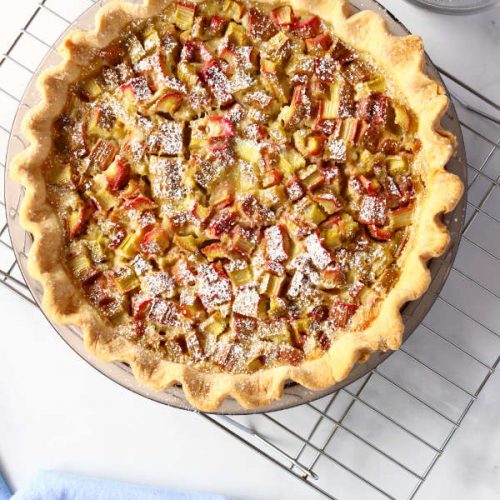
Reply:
x=230 y=194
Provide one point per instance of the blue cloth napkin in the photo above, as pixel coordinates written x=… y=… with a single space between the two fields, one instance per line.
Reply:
x=4 y=489
x=48 y=485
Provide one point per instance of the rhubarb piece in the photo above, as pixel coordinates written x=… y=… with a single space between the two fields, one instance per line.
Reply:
x=135 y=49
x=373 y=210
x=194 y=346
x=273 y=196
x=272 y=177
x=184 y=15
x=102 y=154
x=168 y=103
x=236 y=34
x=331 y=278
x=241 y=277
x=313 y=214
x=156 y=241
x=318 y=44
x=329 y=202
x=397 y=165
x=139 y=202
x=167 y=178
x=214 y=287
x=141 y=304
x=215 y=251
x=276 y=243
x=248 y=302
x=219 y=126
x=341 y=313
x=243 y=241
x=234 y=10
x=325 y=69
x=195 y=51
x=336 y=150
x=217 y=25
x=159 y=283
x=315 y=145
x=271 y=285
x=92 y=88
x=401 y=217
x=283 y=16
x=319 y=255
x=164 y=312
x=222 y=198
x=294 y=189
x=221 y=223
x=78 y=220
x=380 y=233
x=370 y=186
x=307 y=28
x=79 y=141
x=401 y=117
x=166 y=139
x=217 y=83
x=188 y=242
x=314 y=180
x=81 y=266
x=379 y=109
x=200 y=212
x=214 y=325
x=136 y=90
x=126 y=280
x=260 y=26
x=118 y=174
x=183 y=273
x=341 y=53
x=289 y=355
x=129 y=245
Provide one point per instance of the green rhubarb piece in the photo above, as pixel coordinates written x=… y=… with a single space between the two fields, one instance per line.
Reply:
x=126 y=279
x=332 y=237
x=400 y=217
x=151 y=40
x=236 y=33
x=188 y=242
x=129 y=247
x=80 y=265
x=241 y=277
x=215 y=324
x=271 y=285
x=397 y=165
x=247 y=150
x=273 y=196
x=59 y=175
x=135 y=49
x=401 y=117
x=184 y=16
x=313 y=214
x=234 y=10
x=92 y=88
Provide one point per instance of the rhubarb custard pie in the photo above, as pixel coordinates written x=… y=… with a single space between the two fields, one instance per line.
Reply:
x=230 y=194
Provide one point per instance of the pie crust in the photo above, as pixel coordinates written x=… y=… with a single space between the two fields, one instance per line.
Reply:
x=401 y=58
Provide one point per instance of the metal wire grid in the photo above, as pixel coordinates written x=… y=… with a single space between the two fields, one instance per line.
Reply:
x=381 y=436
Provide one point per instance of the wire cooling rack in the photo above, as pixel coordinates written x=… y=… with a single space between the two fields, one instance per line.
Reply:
x=381 y=436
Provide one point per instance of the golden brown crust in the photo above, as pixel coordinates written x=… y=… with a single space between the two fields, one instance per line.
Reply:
x=401 y=58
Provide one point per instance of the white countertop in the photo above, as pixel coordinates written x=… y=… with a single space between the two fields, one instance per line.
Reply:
x=57 y=412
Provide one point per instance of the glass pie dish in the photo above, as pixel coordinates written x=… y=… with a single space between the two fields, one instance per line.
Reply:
x=294 y=394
